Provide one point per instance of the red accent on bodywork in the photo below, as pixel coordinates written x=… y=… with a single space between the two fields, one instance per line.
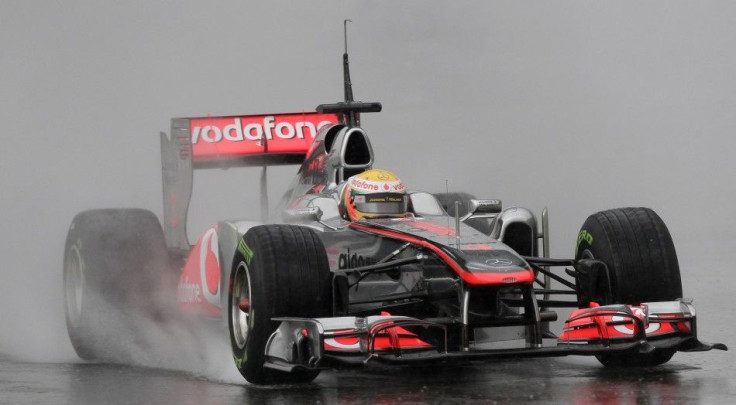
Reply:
x=525 y=276
x=392 y=338
x=191 y=291
x=476 y=246
x=433 y=228
x=215 y=138
x=393 y=341
x=212 y=269
x=608 y=325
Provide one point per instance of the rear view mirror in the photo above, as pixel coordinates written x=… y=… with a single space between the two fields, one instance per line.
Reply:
x=303 y=214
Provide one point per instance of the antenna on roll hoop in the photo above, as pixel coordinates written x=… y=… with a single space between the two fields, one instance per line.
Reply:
x=349 y=109
x=346 y=66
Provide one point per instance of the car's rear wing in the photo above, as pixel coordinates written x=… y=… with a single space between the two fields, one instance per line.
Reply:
x=223 y=142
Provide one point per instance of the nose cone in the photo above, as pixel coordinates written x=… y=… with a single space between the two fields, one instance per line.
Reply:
x=497 y=266
x=493 y=261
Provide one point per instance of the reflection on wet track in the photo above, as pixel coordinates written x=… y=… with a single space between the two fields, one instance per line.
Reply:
x=557 y=380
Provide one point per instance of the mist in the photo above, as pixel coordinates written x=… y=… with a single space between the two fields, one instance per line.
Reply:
x=573 y=106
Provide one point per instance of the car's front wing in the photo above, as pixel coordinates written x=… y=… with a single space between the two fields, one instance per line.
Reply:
x=301 y=343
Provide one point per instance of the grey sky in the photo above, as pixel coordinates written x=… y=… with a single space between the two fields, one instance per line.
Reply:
x=577 y=106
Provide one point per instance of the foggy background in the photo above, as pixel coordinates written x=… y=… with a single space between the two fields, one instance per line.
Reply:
x=576 y=106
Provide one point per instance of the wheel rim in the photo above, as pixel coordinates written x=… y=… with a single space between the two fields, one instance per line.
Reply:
x=241 y=310
x=74 y=281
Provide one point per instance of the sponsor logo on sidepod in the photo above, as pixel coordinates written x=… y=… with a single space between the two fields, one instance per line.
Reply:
x=348 y=261
x=189 y=292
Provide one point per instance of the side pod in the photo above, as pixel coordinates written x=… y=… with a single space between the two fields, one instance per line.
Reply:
x=517 y=227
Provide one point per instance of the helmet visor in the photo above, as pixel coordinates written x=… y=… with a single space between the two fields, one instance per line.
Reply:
x=381 y=204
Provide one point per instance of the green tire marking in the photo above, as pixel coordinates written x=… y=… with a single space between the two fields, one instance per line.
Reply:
x=238 y=362
x=583 y=236
x=246 y=251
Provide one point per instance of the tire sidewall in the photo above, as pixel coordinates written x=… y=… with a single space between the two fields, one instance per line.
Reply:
x=81 y=328
x=637 y=248
x=593 y=244
x=289 y=275
x=250 y=359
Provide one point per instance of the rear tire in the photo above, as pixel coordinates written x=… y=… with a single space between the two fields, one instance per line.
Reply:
x=637 y=248
x=113 y=267
x=278 y=270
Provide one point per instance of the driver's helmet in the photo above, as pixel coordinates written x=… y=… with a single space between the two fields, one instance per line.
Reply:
x=375 y=193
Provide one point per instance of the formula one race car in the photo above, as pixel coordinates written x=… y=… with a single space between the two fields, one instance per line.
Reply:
x=356 y=268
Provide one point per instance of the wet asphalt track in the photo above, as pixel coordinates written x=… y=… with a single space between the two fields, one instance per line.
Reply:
x=688 y=378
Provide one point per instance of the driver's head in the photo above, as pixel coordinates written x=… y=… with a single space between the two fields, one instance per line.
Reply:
x=375 y=193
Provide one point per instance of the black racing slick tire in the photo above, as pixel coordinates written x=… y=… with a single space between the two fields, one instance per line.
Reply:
x=637 y=248
x=278 y=271
x=113 y=263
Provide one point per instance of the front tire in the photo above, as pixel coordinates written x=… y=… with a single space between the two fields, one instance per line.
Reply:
x=278 y=270
x=618 y=360
x=637 y=248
